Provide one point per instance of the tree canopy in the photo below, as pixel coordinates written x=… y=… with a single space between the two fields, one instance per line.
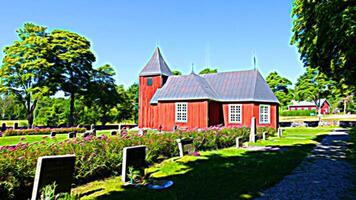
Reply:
x=280 y=87
x=208 y=71
x=176 y=73
x=25 y=72
x=313 y=86
x=325 y=35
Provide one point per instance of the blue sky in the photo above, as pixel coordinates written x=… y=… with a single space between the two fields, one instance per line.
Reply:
x=219 y=34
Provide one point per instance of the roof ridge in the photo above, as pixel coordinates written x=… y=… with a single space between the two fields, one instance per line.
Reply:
x=205 y=83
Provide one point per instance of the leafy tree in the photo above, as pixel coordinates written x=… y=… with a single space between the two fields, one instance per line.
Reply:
x=176 y=73
x=132 y=93
x=73 y=59
x=280 y=87
x=103 y=92
x=208 y=71
x=325 y=35
x=25 y=72
x=52 y=112
x=11 y=109
x=313 y=86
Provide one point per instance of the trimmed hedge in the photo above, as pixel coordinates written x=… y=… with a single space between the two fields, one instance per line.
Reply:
x=298 y=112
x=42 y=131
x=100 y=157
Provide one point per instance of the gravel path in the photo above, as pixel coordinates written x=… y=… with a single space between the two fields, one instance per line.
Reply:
x=323 y=175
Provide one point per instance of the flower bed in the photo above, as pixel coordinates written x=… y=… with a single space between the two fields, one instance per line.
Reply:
x=42 y=131
x=99 y=157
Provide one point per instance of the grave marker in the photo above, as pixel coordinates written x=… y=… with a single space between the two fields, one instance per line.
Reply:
x=185 y=146
x=51 y=169
x=3 y=127
x=280 y=132
x=72 y=135
x=133 y=157
x=53 y=134
x=113 y=133
x=264 y=135
x=238 y=142
x=253 y=130
x=16 y=125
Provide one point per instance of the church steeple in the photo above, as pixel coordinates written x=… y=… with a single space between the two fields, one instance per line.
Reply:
x=156 y=65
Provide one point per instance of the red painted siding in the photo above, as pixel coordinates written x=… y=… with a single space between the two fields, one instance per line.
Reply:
x=148 y=116
x=248 y=111
x=325 y=108
x=197 y=115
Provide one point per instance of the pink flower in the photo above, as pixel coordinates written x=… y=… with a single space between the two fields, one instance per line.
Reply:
x=21 y=157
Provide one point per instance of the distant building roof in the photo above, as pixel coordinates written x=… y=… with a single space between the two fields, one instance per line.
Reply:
x=239 y=86
x=156 y=66
x=308 y=103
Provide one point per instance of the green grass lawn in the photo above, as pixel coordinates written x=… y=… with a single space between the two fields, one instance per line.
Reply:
x=219 y=174
x=13 y=140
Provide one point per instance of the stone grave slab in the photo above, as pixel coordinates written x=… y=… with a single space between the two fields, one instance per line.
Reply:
x=135 y=157
x=185 y=146
x=51 y=169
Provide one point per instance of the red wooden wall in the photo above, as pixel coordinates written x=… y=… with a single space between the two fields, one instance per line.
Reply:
x=197 y=115
x=248 y=111
x=148 y=114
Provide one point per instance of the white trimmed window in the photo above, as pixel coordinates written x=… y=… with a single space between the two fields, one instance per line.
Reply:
x=265 y=114
x=235 y=113
x=181 y=112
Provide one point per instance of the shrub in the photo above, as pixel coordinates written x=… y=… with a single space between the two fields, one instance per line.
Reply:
x=99 y=157
x=42 y=131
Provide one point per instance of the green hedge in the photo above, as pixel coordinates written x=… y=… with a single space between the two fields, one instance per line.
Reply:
x=298 y=112
x=42 y=131
x=99 y=157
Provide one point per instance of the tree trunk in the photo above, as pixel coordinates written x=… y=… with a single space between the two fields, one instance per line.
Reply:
x=345 y=102
x=71 y=110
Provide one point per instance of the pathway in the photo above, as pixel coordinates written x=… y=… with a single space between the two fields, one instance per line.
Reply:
x=323 y=175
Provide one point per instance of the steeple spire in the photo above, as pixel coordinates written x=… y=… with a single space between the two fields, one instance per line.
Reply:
x=156 y=65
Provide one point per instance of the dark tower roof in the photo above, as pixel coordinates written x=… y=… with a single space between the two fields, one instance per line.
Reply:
x=156 y=66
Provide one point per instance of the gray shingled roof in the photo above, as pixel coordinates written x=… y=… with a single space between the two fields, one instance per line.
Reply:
x=156 y=66
x=236 y=86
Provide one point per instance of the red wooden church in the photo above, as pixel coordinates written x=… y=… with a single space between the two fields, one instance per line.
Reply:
x=199 y=101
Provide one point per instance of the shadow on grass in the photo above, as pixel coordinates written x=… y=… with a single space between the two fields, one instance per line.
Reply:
x=225 y=177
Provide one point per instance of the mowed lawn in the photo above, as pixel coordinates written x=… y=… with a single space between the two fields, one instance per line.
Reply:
x=13 y=140
x=219 y=174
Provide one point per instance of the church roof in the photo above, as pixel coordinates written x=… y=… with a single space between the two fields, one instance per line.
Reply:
x=156 y=65
x=238 y=86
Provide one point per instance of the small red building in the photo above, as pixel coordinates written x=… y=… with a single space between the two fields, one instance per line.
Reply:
x=200 y=101
x=308 y=105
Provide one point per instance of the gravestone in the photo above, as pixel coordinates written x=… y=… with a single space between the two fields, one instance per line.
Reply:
x=72 y=135
x=264 y=135
x=133 y=157
x=86 y=133
x=53 y=134
x=280 y=132
x=92 y=127
x=238 y=142
x=253 y=130
x=16 y=125
x=51 y=169
x=113 y=133
x=185 y=146
x=3 y=127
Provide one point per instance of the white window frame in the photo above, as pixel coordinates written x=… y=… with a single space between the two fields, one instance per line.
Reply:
x=181 y=115
x=262 y=114
x=234 y=118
